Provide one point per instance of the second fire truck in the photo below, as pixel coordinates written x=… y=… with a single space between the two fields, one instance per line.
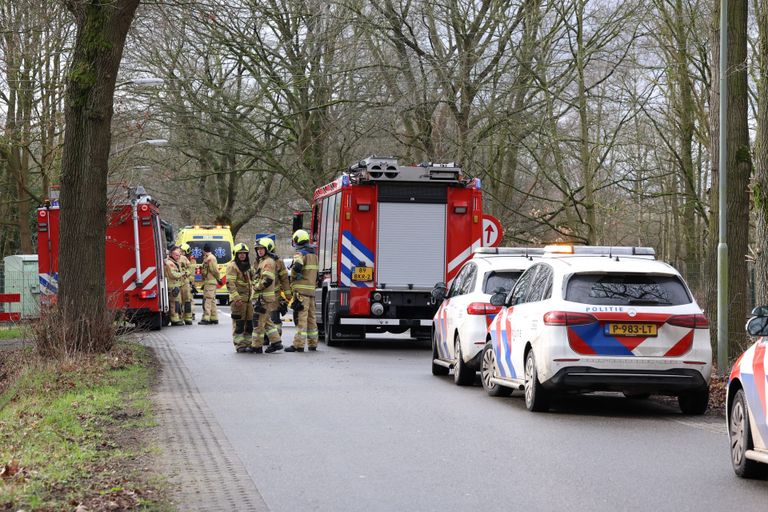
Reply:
x=386 y=234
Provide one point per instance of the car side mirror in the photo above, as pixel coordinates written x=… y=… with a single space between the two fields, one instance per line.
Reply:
x=760 y=311
x=758 y=326
x=439 y=292
x=498 y=299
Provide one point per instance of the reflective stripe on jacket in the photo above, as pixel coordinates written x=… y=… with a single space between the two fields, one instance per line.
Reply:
x=264 y=282
x=238 y=283
x=304 y=281
x=210 y=270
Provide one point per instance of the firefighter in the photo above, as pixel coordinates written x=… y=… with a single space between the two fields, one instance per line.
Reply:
x=239 y=277
x=176 y=280
x=282 y=288
x=303 y=283
x=265 y=300
x=189 y=283
x=211 y=280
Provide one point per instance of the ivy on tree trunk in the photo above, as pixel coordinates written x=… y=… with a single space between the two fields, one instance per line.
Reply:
x=102 y=27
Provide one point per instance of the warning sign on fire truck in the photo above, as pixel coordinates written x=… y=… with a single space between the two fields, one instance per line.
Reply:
x=492 y=231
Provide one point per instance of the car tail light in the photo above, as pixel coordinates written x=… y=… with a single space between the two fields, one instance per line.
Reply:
x=690 y=321
x=147 y=294
x=568 y=318
x=482 y=308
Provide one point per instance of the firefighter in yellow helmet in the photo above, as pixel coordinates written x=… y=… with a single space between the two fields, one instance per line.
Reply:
x=189 y=282
x=282 y=288
x=265 y=300
x=176 y=279
x=303 y=283
x=211 y=281
x=239 y=277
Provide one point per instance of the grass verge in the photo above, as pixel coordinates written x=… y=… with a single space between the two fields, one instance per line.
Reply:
x=75 y=434
x=10 y=333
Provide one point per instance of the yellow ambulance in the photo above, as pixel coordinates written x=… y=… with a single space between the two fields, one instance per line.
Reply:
x=221 y=242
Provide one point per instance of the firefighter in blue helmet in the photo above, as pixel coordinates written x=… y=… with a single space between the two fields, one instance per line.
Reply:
x=303 y=282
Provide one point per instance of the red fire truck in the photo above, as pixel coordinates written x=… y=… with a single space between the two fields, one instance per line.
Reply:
x=386 y=234
x=135 y=251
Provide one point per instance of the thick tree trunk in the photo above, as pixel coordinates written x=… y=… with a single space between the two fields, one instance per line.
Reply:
x=102 y=26
x=739 y=171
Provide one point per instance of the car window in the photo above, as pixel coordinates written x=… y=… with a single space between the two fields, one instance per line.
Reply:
x=468 y=283
x=458 y=282
x=505 y=280
x=627 y=289
x=520 y=290
x=541 y=286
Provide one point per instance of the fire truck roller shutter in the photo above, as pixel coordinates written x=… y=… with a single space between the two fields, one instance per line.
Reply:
x=411 y=244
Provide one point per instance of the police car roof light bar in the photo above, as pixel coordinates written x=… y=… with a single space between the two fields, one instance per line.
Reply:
x=508 y=251
x=601 y=250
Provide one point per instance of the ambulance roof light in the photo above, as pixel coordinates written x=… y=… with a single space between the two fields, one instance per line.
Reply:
x=558 y=249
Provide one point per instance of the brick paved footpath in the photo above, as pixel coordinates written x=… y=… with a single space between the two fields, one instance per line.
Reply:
x=204 y=471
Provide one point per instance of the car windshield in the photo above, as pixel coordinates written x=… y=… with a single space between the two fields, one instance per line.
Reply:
x=220 y=248
x=627 y=289
x=505 y=280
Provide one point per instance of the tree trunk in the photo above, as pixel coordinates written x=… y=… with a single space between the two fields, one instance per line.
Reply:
x=760 y=188
x=102 y=26
x=739 y=171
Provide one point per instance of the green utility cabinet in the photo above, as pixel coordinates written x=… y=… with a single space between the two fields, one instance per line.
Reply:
x=21 y=276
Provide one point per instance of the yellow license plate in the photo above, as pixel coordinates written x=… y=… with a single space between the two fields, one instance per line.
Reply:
x=620 y=329
x=362 y=274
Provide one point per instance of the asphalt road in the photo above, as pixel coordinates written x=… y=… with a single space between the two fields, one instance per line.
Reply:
x=367 y=427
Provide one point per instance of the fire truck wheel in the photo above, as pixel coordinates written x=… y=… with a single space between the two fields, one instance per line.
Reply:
x=155 y=321
x=329 y=332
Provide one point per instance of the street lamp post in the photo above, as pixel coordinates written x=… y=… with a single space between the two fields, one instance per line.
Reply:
x=722 y=246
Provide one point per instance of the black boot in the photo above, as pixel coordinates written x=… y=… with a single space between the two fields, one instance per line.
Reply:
x=215 y=322
x=313 y=349
x=204 y=322
x=256 y=350
x=294 y=349
x=274 y=347
x=242 y=350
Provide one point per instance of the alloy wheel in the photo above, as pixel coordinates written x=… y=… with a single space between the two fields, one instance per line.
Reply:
x=738 y=433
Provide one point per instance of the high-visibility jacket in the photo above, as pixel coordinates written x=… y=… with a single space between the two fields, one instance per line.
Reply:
x=283 y=283
x=174 y=273
x=188 y=268
x=264 y=280
x=238 y=283
x=304 y=271
x=210 y=270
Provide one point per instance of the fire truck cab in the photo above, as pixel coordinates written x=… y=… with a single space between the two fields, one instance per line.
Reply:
x=386 y=234
x=134 y=253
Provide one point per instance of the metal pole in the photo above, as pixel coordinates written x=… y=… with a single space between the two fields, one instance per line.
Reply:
x=722 y=246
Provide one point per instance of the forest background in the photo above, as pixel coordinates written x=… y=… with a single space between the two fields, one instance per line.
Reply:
x=591 y=121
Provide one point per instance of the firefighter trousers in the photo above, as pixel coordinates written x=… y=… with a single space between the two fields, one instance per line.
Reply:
x=186 y=299
x=264 y=326
x=242 y=323
x=306 y=323
x=209 y=302
x=174 y=302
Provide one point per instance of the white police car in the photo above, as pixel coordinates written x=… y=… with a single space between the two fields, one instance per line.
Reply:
x=747 y=403
x=599 y=318
x=460 y=325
